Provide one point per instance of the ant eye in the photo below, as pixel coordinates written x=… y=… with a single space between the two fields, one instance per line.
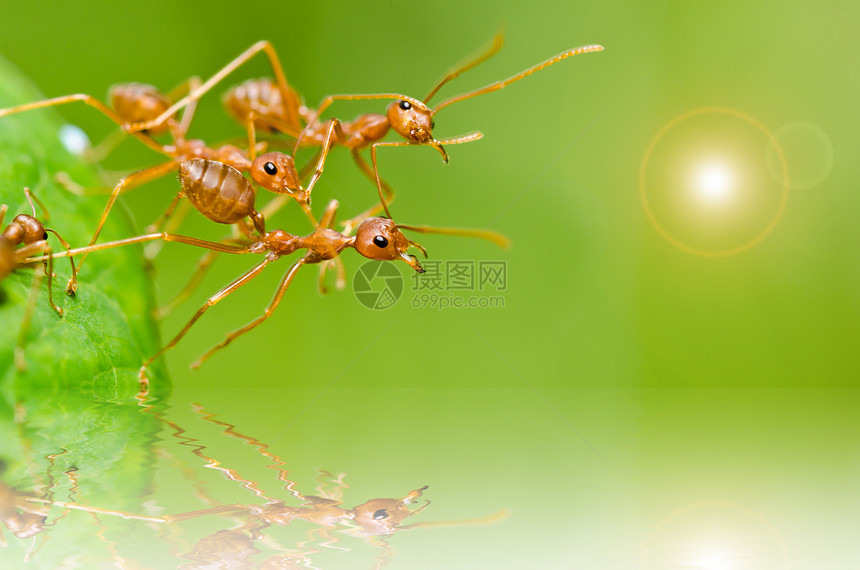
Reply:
x=405 y=105
x=432 y=124
x=270 y=168
x=45 y=235
x=380 y=514
x=380 y=241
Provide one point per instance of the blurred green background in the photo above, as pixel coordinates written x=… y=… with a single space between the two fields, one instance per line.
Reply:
x=641 y=400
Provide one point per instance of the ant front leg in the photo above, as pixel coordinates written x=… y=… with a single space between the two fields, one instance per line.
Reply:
x=350 y=224
x=437 y=144
x=327 y=221
x=335 y=129
x=88 y=100
x=129 y=182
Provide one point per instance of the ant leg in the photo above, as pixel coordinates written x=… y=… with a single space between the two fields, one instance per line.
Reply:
x=327 y=221
x=252 y=137
x=107 y=145
x=31 y=197
x=280 y=78
x=74 y=277
x=337 y=485
x=127 y=183
x=173 y=221
x=224 y=248
x=261 y=447
x=203 y=265
x=180 y=129
x=20 y=360
x=214 y=299
x=334 y=129
x=376 y=209
x=340 y=271
x=282 y=288
x=156 y=225
x=88 y=100
x=435 y=143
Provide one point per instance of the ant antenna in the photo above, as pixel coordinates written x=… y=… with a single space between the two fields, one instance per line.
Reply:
x=500 y=240
x=505 y=82
x=494 y=48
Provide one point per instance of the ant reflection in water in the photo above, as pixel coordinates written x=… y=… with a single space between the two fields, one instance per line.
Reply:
x=373 y=521
x=244 y=535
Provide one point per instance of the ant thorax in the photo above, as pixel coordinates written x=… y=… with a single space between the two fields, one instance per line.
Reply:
x=325 y=244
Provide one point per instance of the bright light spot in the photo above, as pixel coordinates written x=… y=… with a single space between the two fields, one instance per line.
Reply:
x=74 y=139
x=714 y=182
x=713 y=559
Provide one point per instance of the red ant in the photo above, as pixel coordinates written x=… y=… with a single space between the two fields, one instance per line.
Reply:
x=277 y=108
x=375 y=238
x=274 y=171
x=32 y=235
x=372 y=520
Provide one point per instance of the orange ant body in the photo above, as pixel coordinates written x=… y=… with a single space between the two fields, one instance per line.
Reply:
x=276 y=107
x=32 y=236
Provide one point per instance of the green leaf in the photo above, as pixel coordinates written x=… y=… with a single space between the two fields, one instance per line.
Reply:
x=107 y=329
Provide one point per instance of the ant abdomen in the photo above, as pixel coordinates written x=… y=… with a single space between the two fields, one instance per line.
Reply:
x=262 y=99
x=217 y=190
x=139 y=103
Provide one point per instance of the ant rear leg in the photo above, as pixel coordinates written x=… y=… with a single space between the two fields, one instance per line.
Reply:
x=213 y=300
x=203 y=265
x=279 y=294
x=201 y=90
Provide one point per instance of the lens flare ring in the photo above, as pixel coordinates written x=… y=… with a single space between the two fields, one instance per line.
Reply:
x=714 y=183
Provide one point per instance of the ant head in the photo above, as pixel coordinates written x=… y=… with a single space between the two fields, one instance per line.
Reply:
x=25 y=525
x=379 y=238
x=412 y=120
x=380 y=516
x=276 y=172
x=25 y=230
